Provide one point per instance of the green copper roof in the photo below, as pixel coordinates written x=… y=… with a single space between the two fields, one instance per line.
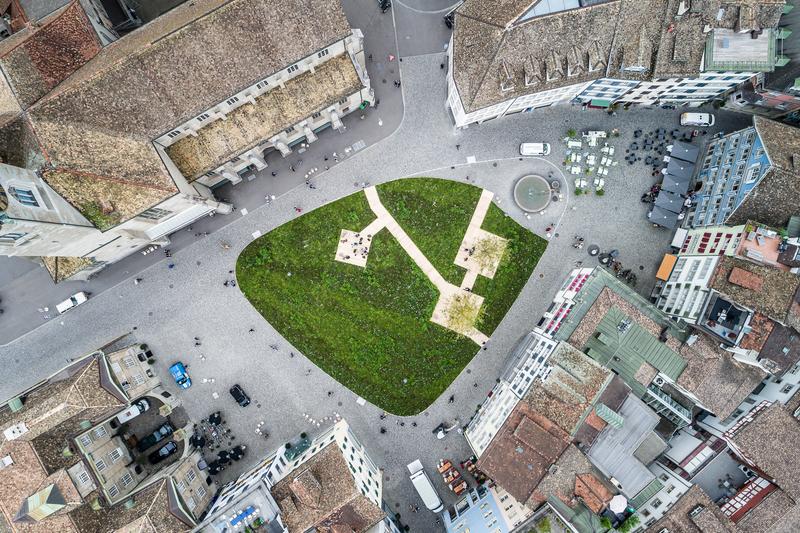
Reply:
x=646 y=493
x=611 y=417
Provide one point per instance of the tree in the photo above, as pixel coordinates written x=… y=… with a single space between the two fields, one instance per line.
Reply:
x=605 y=522
x=462 y=313
x=489 y=252
x=543 y=526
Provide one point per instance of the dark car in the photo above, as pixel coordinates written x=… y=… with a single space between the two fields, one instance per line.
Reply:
x=163 y=452
x=155 y=437
x=240 y=396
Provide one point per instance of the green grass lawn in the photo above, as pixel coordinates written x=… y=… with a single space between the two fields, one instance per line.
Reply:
x=370 y=328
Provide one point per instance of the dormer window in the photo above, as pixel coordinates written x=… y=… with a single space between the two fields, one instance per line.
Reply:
x=291 y=69
x=202 y=117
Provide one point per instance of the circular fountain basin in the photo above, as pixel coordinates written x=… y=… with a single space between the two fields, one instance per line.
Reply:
x=532 y=193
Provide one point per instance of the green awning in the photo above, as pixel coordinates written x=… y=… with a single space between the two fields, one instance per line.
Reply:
x=611 y=417
x=599 y=102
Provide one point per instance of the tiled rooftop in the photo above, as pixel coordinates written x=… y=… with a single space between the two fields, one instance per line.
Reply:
x=568 y=394
x=771 y=441
x=764 y=289
x=719 y=382
x=522 y=451
x=321 y=494
x=706 y=517
x=495 y=60
x=573 y=477
x=146 y=83
x=40 y=57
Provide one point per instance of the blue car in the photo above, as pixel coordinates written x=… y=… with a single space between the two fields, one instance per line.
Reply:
x=180 y=375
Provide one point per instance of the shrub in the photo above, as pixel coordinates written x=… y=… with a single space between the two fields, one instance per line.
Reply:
x=571 y=133
x=288 y=445
x=303 y=435
x=628 y=524
x=601 y=192
x=605 y=522
x=578 y=191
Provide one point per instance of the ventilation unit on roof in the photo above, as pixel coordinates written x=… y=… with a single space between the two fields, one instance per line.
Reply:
x=616 y=483
x=659 y=381
x=15 y=431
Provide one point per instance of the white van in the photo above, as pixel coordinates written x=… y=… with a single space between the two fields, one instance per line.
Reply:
x=424 y=487
x=697 y=119
x=138 y=407
x=534 y=149
x=73 y=301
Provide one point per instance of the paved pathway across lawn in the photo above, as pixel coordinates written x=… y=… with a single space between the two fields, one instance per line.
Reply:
x=447 y=291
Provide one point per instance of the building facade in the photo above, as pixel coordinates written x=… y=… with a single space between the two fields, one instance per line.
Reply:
x=732 y=167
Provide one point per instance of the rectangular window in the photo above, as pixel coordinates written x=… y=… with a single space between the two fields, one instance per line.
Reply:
x=23 y=196
x=83 y=477
x=113 y=491
x=86 y=440
x=290 y=129
x=127 y=479
x=129 y=361
x=201 y=491
x=181 y=486
x=155 y=213
x=786 y=389
x=316 y=115
x=323 y=53
x=173 y=134
x=202 y=117
x=190 y=476
x=656 y=503
x=231 y=101
x=138 y=379
x=115 y=455
x=100 y=464
x=291 y=69
x=11 y=238
x=100 y=432
x=190 y=501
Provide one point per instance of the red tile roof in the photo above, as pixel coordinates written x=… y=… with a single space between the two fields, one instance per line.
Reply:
x=743 y=278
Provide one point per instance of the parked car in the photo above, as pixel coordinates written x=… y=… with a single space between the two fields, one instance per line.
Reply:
x=163 y=452
x=73 y=301
x=180 y=375
x=240 y=396
x=138 y=407
x=534 y=149
x=155 y=437
x=697 y=119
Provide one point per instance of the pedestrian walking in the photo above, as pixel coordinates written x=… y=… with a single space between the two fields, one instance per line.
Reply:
x=137 y=281
x=377 y=102
x=291 y=167
x=451 y=399
x=252 y=330
x=171 y=266
x=458 y=147
x=225 y=282
x=298 y=209
x=274 y=173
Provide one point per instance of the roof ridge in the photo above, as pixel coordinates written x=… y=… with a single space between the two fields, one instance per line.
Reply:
x=109 y=178
x=489 y=64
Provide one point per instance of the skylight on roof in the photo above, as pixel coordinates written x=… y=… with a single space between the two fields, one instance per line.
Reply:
x=546 y=7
